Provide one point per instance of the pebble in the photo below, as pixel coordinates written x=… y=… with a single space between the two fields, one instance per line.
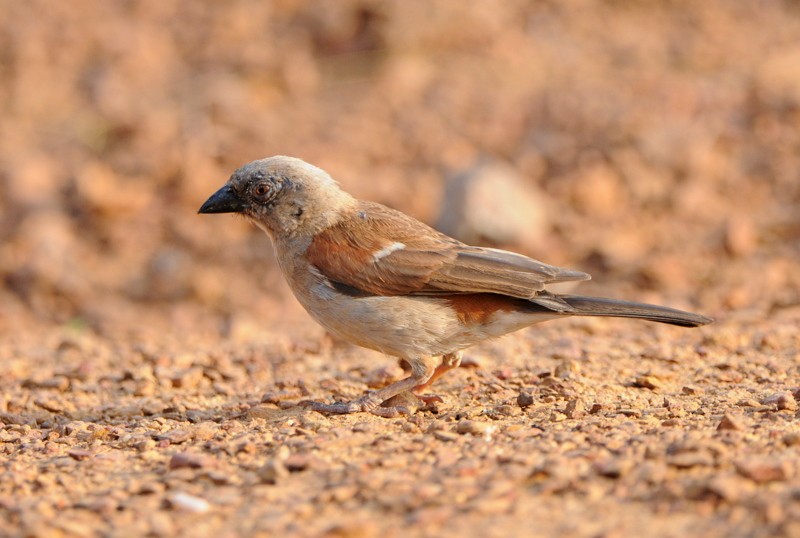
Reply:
x=728 y=487
x=188 y=378
x=188 y=460
x=176 y=436
x=492 y=202
x=741 y=237
x=763 y=470
x=59 y=383
x=731 y=422
x=446 y=436
x=296 y=463
x=188 y=503
x=272 y=472
x=380 y=377
x=686 y=460
x=80 y=454
x=567 y=370
x=505 y=410
x=483 y=429
x=792 y=439
x=596 y=408
x=614 y=468
x=648 y=382
x=524 y=399
x=575 y=409
x=784 y=401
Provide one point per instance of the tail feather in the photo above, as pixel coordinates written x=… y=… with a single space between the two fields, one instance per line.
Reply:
x=599 y=306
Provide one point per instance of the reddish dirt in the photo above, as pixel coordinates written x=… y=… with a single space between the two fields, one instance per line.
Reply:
x=151 y=359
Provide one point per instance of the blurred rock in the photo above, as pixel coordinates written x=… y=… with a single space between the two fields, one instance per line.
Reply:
x=740 y=236
x=731 y=422
x=491 y=204
x=761 y=470
x=598 y=190
x=188 y=503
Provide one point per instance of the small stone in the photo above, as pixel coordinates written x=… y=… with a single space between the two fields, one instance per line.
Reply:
x=596 y=408
x=52 y=405
x=161 y=524
x=471 y=362
x=446 y=436
x=792 y=439
x=59 y=383
x=505 y=410
x=784 y=401
x=763 y=470
x=630 y=412
x=730 y=422
x=268 y=411
x=567 y=370
x=687 y=460
x=740 y=236
x=188 y=503
x=575 y=409
x=483 y=429
x=296 y=463
x=176 y=436
x=150 y=488
x=491 y=202
x=187 y=379
x=614 y=468
x=189 y=460
x=648 y=382
x=727 y=487
x=272 y=472
x=381 y=377
x=524 y=399
x=205 y=431
x=80 y=454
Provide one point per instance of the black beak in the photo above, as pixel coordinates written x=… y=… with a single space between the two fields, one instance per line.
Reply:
x=222 y=201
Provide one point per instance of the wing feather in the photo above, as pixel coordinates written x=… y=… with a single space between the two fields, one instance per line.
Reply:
x=354 y=253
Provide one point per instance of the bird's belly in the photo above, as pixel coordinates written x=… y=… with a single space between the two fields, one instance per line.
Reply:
x=401 y=326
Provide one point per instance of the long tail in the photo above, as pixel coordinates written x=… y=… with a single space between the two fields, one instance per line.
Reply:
x=599 y=306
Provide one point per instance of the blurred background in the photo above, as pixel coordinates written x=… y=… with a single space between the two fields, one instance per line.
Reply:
x=653 y=144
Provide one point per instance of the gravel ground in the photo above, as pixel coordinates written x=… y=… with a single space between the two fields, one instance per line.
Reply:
x=583 y=427
x=152 y=360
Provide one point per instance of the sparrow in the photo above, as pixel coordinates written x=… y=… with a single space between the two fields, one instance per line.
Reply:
x=380 y=279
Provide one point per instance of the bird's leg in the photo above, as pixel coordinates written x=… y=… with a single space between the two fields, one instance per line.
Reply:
x=449 y=362
x=422 y=369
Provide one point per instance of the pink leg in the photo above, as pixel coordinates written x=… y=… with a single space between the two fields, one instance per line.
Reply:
x=449 y=362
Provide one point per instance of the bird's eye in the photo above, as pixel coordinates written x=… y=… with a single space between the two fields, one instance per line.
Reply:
x=261 y=190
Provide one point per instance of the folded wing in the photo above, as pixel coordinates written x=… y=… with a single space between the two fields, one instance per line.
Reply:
x=379 y=251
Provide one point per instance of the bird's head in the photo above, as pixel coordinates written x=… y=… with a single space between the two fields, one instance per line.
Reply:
x=283 y=196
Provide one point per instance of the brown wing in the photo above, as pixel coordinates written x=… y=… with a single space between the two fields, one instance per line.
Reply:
x=384 y=252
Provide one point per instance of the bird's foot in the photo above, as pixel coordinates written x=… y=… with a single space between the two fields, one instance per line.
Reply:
x=338 y=408
x=403 y=404
x=366 y=404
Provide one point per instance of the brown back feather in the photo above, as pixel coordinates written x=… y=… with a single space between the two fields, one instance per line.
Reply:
x=430 y=263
